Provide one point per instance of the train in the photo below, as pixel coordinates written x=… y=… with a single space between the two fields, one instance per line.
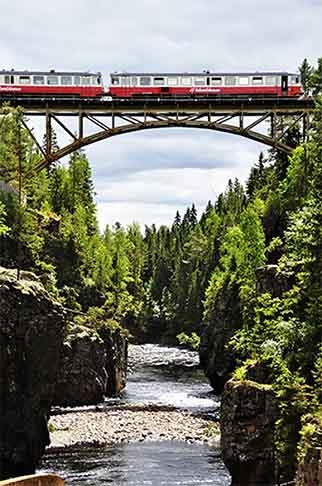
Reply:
x=147 y=85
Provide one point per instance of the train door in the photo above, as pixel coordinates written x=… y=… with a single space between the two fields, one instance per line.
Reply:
x=9 y=79
x=126 y=84
x=284 y=85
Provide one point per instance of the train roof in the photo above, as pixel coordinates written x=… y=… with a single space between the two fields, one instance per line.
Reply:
x=51 y=71
x=208 y=73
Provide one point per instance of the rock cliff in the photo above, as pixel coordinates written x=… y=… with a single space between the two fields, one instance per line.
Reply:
x=216 y=359
x=31 y=337
x=309 y=471
x=93 y=366
x=248 y=414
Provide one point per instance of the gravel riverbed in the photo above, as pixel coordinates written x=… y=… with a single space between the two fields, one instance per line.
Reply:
x=96 y=428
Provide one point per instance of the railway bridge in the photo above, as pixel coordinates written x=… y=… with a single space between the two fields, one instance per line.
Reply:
x=85 y=121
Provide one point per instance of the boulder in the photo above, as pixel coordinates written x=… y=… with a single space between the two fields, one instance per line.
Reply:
x=31 y=338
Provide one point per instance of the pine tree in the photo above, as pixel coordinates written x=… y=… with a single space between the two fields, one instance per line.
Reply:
x=316 y=79
x=306 y=73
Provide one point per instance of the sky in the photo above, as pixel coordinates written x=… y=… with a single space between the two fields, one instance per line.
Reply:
x=148 y=175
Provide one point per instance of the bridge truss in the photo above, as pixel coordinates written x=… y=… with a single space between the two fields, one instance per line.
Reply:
x=86 y=121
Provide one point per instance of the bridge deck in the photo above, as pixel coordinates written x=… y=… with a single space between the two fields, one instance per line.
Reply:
x=248 y=117
x=71 y=105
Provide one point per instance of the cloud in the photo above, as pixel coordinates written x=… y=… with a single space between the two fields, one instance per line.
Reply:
x=174 y=148
x=154 y=197
x=167 y=35
x=146 y=174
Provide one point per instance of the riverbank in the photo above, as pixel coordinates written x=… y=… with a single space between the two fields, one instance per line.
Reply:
x=157 y=432
x=105 y=427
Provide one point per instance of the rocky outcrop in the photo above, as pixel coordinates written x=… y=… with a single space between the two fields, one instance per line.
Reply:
x=309 y=471
x=93 y=366
x=216 y=359
x=310 y=468
x=31 y=337
x=116 y=345
x=269 y=279
x=248 y=415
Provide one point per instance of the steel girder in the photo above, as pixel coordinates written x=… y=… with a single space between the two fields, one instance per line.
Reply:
x=262 y=120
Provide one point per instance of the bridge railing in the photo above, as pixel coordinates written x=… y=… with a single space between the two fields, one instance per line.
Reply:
x=34 y=480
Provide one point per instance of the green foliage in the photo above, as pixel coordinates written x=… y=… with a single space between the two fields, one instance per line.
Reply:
x=306 y=72
x=170 y=281
x=97 y=318
x=3 y=227
x=191 y=342
x=242 y=252
x=315 y=79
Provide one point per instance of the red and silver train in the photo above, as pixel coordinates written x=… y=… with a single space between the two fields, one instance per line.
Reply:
x=126 y=85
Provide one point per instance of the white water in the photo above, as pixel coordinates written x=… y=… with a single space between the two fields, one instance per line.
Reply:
x=160 y=376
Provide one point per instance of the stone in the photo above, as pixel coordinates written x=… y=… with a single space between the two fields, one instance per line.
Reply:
x=310 y=469
x=309 y=472
x=248 y=414
x=31 y=338
x=268 y=279
x=216 y=359
x=93 y=366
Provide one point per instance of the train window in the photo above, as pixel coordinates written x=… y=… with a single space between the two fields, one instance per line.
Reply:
x=294 y=79
x=200 y=81
x=95 y=80
x=115 y=81
x=39 y=80
x=243 y=80
x=172 y=80
x=7 y=79
x=145 y=81
x=77 y=80
x=158 y=81
x=230 y=80
x=134 y=81
x=125 y=81
x=66 y=80
x=271 y=80
x=257 y=80
x=52 y=79
x=186 y=81
x=216 y=81
x=86 y=80
x=24 y=79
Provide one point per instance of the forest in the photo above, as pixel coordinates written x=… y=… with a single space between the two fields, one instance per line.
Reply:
x=164 y=284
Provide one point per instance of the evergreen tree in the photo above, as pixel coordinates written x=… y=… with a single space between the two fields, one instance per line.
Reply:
x=306 y=72
x=316 y=79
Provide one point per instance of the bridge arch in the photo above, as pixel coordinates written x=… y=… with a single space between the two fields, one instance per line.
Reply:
x=264 y=120
x=130 y=128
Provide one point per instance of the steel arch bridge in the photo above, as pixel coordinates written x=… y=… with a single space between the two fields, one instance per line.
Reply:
x=265 y=120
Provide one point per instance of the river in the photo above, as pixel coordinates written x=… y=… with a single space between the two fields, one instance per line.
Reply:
x=160 y=377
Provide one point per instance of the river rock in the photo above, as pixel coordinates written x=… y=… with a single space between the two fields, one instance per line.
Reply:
x=31 y=337
x=248 y=414
x=93 y=366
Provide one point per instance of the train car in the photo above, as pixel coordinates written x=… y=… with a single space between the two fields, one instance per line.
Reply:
x=205 y=84
x=41 y=83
